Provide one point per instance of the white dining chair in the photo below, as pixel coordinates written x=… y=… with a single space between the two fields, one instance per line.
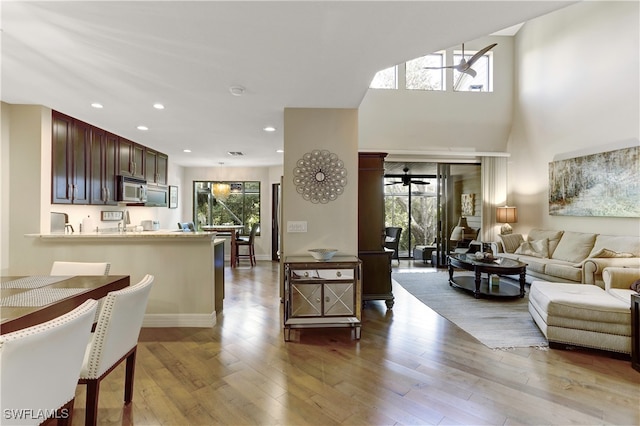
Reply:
x=40 y=367
x=80 y=268
x=114 y=340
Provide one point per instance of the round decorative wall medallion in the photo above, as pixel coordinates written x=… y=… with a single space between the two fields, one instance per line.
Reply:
x=320 y=176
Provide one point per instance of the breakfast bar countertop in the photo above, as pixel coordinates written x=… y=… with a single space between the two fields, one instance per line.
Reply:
x=142 y=235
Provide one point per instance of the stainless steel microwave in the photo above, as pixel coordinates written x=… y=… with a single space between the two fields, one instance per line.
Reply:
x=131 y=190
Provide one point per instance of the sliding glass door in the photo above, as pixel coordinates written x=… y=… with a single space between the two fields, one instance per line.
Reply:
x=410 y=204
x=424 y=199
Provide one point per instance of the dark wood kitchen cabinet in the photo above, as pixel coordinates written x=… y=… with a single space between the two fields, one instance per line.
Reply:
x=104 y=148
x=130 y=158
x=156 y=167
x=376 y=261
x=70 y=164
x=85 y=161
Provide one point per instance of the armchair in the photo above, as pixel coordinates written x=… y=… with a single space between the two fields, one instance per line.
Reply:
x=392 y=240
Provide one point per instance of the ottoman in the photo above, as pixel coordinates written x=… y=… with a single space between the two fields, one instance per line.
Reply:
x=423 y=252
x=581 y=315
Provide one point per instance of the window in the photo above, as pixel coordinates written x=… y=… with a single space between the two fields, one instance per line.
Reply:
x=482 y=82
x=385 y=79
x=416 y=77
x=419 y=78
x=226 y=203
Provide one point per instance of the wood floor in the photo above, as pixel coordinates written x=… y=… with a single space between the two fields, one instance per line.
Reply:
x=411 y=367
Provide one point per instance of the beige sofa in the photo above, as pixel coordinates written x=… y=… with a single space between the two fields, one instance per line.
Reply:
x=586 y=315
x=571 y=257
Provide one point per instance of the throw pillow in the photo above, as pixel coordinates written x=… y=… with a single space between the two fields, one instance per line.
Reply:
x=527 y=248
x=635 y=286
x=511 y=242
x=541 y=247
x=610 y=253
x=553 y=236
x=389 y=239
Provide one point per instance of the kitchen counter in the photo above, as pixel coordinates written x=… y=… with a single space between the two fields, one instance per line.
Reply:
x=161 y=234
x=188 y=267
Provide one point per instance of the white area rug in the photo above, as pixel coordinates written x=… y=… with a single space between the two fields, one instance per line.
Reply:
x=498 y=323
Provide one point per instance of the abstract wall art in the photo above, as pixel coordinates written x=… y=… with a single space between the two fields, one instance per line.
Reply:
x=467 y=201
x=602 y=184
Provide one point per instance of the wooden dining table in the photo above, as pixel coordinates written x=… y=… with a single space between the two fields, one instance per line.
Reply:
x=233 y=231
x=29 y=300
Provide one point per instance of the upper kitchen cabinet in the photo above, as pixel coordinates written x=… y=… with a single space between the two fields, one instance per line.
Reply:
x=104 y=148
x=130 y=159
x=156 y=167
x=70 y=160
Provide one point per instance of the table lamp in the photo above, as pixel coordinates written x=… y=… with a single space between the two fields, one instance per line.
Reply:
x=506 y=215
x=462 y=228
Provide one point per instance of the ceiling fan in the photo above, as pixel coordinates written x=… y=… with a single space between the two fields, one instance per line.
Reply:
x=465 y=66
x=405 y=179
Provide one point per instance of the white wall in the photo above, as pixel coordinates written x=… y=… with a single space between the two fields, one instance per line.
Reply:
x=577 y=88
x=4 y=188
x=427 y=121
x=334 y=224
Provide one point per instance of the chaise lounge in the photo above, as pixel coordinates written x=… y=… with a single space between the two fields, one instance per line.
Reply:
x=586 y=315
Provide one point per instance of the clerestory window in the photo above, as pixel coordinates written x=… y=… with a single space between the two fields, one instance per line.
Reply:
x=385 y=79
x=482 y=82
x=416 y=77
x=419 y=78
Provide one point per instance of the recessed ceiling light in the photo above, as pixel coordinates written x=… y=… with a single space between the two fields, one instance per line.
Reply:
x=142 y=128
x=279 y=151
x=186 y=150
x=158 y=105
x=269 y=129
x=236 y=90
x=97 y=105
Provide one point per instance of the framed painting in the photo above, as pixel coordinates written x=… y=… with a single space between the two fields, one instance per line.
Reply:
x=173 y=197
x=602 y=184
x=467 y=202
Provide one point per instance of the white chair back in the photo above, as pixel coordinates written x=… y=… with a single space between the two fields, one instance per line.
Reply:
x=40 y=365
x=118 y=328
x=80 y=268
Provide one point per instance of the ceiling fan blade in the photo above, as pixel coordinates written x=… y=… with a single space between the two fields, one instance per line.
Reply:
x=480 y=53
x=470 y=71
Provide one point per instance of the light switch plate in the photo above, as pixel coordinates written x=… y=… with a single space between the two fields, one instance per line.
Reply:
x=297 y=226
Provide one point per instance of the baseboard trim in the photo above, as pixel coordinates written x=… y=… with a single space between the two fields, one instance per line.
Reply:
x=179 y=320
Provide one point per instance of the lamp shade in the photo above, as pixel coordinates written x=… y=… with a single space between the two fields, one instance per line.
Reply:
x=507 y=214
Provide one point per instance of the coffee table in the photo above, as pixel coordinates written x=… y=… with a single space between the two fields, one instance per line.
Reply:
x=481 y=286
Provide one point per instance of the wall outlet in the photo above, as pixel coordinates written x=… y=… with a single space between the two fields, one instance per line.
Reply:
x=297 y=226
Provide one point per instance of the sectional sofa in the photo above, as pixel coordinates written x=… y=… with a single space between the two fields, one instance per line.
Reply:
x=570 y=257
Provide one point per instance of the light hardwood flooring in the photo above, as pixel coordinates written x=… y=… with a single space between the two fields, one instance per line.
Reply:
x=410 y=367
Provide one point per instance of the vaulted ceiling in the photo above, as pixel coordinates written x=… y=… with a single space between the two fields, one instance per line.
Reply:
x=187 y=55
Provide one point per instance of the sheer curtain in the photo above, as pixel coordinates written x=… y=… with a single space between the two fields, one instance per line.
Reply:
x=494 y=193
